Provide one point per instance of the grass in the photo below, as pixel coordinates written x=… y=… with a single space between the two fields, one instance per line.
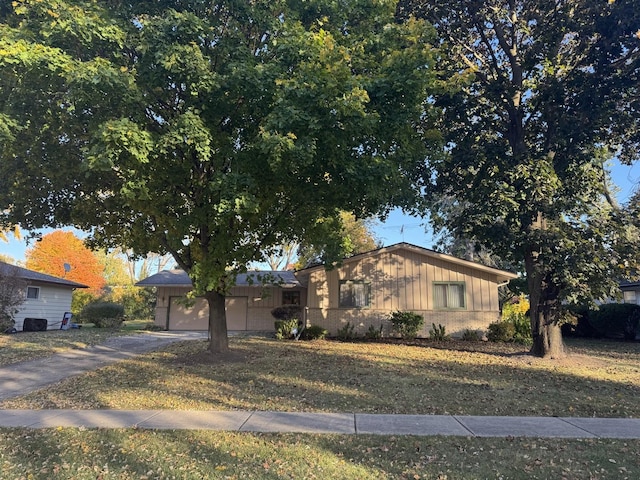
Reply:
x=142 y=454
x=461 y=378
x=600 y=378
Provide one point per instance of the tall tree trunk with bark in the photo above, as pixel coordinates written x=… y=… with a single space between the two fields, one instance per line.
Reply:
x=544 y=303
x=218 y=341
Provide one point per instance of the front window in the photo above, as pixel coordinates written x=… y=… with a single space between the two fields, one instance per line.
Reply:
x=290 y=298
x=355 y=294
x=449 y=296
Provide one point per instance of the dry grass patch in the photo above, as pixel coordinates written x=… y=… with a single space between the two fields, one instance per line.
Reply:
x=143 y=454
x=326 y=376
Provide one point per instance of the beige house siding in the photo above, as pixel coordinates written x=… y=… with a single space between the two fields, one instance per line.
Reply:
x=403 y=279
x=455 y=322
x=259 y=300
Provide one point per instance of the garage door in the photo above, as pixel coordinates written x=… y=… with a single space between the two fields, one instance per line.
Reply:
x=196 y=317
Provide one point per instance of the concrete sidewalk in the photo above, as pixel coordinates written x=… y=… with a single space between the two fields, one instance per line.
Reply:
x=328 y=423
x=24 y=377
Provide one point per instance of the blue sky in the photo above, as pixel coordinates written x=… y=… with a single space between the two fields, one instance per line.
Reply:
x=399 y=227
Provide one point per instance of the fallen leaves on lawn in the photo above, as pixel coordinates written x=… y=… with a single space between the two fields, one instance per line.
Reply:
x=328 y=376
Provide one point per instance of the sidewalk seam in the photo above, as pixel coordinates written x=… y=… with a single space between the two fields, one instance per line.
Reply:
x=565 y=420
x=246 y=420
x=455 y=417
x=153 y=415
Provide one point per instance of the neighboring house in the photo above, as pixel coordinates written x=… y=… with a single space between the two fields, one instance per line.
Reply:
x=630 y=292
x=363 y=290
x=248 y=305
x=47 y=299
x=446 y=290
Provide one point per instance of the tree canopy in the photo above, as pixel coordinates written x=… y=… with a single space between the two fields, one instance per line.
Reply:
x=354 y=235
x=62 y=254
x=209 y=130
x=547 y=93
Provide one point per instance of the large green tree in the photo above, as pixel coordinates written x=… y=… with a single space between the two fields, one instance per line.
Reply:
x=208 y=129
x=354 y=235
x=548 y=91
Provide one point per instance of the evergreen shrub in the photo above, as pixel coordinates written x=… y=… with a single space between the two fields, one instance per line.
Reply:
x=406 y=324
x=103 y=314
x=501 y=332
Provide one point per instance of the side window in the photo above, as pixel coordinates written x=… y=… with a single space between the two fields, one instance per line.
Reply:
x=33 y=293
x=449 y=296
x=630 y=296
x=355 y=294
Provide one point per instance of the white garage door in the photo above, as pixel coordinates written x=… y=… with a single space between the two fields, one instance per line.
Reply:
x=197 y=316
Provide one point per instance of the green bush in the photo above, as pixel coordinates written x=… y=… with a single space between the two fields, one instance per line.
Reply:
x=631 y=326
x=579 y=324
x=314 y=332
x=501 y=332
x=347 y=332
x=286 y=329
x=103 y=314
x=373 y=333
x=80 y=298
x=616 y=320
x=406 y=324
x=438 y=333
x=471 y=336
x=287 y=312
x=152 y=327
x=139 y=303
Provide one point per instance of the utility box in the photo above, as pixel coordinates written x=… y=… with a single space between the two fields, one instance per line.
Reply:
x=34 y=325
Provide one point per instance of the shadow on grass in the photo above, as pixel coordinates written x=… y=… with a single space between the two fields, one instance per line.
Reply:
x=337 y=377
x=127 y=454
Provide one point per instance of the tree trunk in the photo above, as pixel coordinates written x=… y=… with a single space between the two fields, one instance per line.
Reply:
x=547 y=340
x=543 y=311
x=218 y=339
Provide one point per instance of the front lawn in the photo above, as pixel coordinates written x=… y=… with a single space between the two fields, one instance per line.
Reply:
x=263 y=374
x=459 y=378
x=142 y=454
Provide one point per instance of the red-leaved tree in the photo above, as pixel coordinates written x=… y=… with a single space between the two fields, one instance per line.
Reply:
x=50 y=254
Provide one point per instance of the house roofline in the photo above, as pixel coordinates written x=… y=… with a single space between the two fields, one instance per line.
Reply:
x=37 y=277
x=178 y=278
x=424 y=251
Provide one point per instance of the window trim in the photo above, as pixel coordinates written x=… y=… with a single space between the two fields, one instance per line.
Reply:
x=28 y=289
x=464 y=295
x=367 y=292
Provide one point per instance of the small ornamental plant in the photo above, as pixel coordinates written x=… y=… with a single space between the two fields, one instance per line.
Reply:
x=406 y=324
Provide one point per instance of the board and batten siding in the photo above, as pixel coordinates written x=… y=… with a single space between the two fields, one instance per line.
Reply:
x=260 y=302
x=403 y=279
x=52 y=303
